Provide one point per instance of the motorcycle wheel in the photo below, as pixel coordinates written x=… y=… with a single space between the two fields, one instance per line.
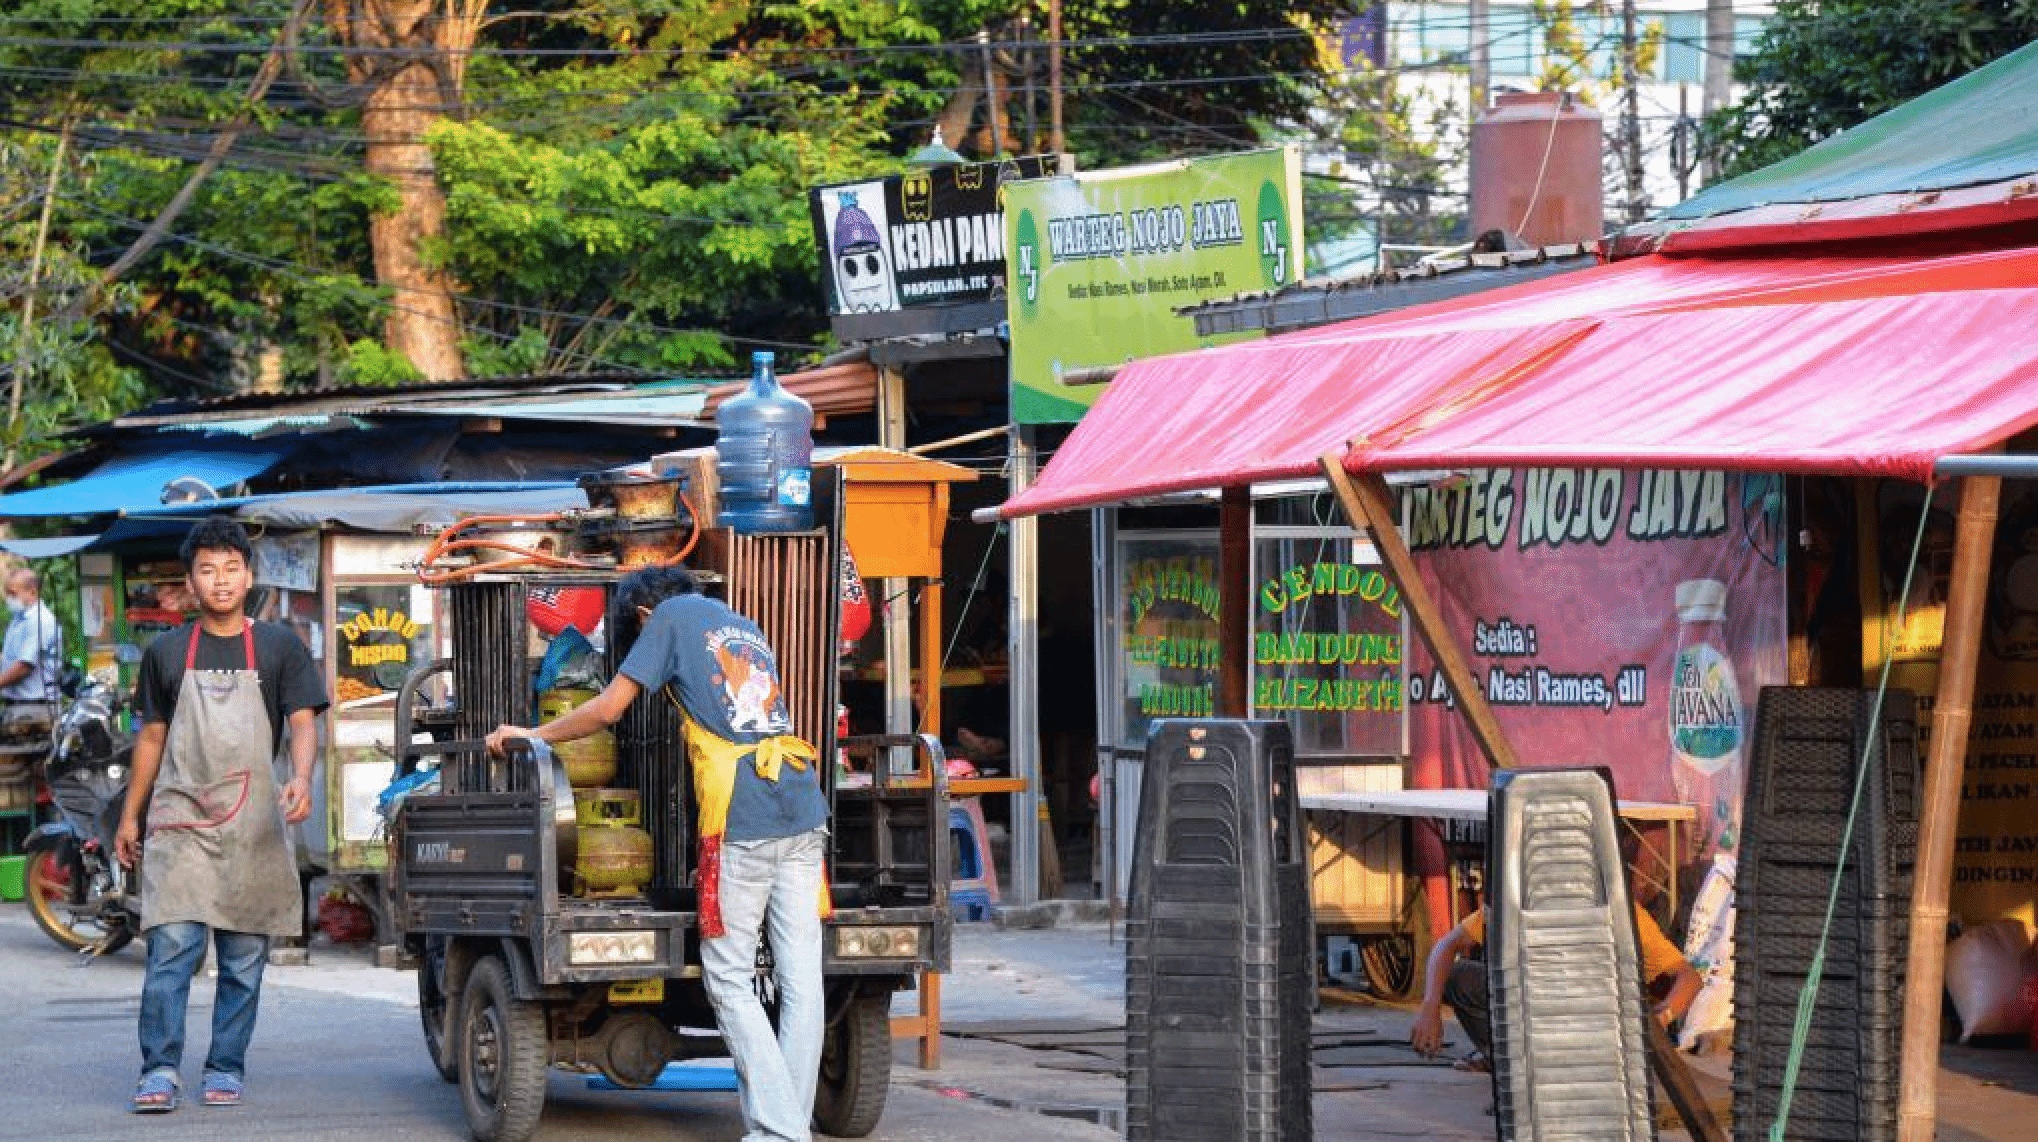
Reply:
x=49 y=901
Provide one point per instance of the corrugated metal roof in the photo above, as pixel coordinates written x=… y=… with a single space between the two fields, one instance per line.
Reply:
x=232 y=413
x=1319 y=302
x=842 y=389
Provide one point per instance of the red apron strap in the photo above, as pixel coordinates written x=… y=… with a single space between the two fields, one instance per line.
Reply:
x=247 y=644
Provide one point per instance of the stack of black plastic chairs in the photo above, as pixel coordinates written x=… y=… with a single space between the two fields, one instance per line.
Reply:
x=1808 y=748
x=1219 y=942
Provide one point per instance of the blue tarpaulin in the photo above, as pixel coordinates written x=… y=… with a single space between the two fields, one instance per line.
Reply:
x=137 y=482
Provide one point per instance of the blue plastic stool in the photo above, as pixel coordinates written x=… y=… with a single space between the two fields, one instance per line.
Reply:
x=972 y=886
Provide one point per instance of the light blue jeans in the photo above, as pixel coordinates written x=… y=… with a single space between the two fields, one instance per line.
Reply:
x=174 y=953
x=772 y=886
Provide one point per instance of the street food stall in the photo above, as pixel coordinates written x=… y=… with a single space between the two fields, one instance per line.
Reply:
x=1883 y=379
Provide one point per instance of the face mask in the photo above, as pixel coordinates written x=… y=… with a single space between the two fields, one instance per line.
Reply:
x=15 y=606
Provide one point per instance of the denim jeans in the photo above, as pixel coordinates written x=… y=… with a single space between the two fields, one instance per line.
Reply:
x=771 y=885
x=174 y=952
x=1466 y=991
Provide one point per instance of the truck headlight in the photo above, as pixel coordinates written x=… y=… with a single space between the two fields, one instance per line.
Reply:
x=612 y=948
x=887 y=943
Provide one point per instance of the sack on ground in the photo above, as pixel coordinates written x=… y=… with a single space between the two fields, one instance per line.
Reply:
x=1985 y=976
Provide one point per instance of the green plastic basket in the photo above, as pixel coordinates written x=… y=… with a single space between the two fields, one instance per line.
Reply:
x=13 y=877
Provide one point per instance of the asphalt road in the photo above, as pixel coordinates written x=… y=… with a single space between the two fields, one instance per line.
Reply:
x=338 y=1055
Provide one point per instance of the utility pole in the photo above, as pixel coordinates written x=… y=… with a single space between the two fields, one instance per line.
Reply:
x=1719 y=68
x=1055 y=141
x=997 y=146
x=1479 y=57
x=1631 y=113
x=24 y=342
x=1680 y=146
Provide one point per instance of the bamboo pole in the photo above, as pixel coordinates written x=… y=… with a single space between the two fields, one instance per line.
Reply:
x=1369 y=506
x=1234 y=594
x=1974 y=535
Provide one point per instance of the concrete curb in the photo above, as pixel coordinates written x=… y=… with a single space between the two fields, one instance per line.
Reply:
x=1051 y=914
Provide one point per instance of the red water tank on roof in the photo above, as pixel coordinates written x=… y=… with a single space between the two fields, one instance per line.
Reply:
x=1536 y=169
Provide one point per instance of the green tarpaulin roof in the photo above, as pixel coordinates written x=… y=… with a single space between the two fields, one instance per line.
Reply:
x=1981 y=128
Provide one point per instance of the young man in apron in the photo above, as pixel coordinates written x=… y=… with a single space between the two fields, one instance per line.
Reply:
x=213 y=698
x=762 y=826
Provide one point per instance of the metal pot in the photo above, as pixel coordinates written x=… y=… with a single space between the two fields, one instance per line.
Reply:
x=527 y=540
x=635 y=542
x=635 y=497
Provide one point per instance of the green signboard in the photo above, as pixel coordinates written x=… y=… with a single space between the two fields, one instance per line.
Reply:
x=1099 y=262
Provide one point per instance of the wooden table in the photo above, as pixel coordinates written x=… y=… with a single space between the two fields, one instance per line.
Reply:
x=1470 y=805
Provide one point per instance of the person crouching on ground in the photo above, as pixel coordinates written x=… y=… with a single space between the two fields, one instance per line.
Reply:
x=763 y=826
x=213 y=698
x=1462 y=984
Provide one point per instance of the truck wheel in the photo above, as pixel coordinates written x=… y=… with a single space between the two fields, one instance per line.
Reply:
x=856 y=1069
x=503 y=1056
x=435 y=1010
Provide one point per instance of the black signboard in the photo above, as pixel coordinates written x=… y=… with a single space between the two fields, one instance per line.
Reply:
x=930 y=237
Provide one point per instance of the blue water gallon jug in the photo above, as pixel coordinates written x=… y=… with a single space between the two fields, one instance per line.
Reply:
x=764 y=449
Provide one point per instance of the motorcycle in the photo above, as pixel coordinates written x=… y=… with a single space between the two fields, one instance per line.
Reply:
x=78 y=891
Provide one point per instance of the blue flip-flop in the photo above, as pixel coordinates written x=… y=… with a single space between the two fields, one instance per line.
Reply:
x=221 y=1089
x=156 y=1093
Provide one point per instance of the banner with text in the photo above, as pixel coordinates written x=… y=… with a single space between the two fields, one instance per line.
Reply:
x=1995 y=863
x=1099 y=262
x=928 y=237
x=1618 y=618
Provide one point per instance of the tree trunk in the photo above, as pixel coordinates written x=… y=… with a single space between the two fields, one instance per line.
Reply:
x=422 y=323
x=413 y=77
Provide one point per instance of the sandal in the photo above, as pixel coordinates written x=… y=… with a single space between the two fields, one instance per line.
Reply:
x=1475 y=1063
x=221 y=1089
x=156 y=1093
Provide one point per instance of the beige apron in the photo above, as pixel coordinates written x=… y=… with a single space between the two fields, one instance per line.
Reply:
x=216 y=852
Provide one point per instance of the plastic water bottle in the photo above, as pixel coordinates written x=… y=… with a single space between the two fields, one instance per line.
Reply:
x=764 y=450
x=1707 y=720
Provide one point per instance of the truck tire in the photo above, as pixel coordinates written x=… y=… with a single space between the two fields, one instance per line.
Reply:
x=856 y=1068
x=435 y=1010
x=503 y=1056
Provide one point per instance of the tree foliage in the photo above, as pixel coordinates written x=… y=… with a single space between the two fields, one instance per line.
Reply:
x=1151 y=79
x=1822 y=66
x=624 y=181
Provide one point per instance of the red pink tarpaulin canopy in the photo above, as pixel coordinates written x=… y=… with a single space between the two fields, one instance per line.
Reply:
x=1845 y=365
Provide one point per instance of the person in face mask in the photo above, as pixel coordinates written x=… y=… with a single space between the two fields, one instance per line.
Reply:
x=30 y=657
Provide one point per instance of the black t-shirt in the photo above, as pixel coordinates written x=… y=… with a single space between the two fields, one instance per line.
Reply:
x=289 y=677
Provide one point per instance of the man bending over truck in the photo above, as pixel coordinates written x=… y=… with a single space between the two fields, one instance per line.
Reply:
x=763 y=826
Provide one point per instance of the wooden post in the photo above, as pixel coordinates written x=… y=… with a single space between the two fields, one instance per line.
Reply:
x=1974 y=535
x=930 y=657
x=1235 y=593
x=1369 y=506
x=895 y=609
x=1674 y=1076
